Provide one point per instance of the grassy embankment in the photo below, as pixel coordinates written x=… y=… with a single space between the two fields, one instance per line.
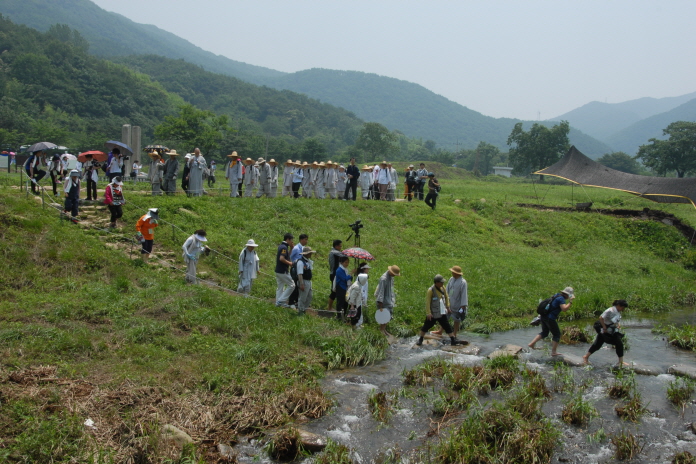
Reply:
x=146 y=350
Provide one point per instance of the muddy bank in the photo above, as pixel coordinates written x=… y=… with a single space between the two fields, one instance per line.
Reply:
x=645 y=213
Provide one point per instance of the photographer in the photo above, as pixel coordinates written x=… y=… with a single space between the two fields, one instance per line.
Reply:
x=115 y=166
x=607 y=328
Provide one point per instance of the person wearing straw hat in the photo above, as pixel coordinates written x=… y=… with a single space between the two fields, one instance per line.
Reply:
x=146 y=232
x=233 y=173
x=331 y=179
x=248 y=267
x=171 y=170
x=385 y=296
x=383 y=180
x=264 y=176
x=458 y=292
x=193 y=247
x=71 y=187
x=288 y=169
x=249 y=177
x=274 y=178
x=155 y=172
x=306 y=181
x=313 y=173
x=437 y=306
x=366 y=182
x=113 y=194
x=305 y=265
x=297 y=178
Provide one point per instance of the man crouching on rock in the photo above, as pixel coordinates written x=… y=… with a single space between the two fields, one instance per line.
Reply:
x=437 y=306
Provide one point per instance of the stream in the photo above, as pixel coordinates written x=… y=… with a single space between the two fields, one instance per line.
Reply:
x=663 y=431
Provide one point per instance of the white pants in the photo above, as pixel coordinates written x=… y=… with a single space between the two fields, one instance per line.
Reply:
x=332 y=192
x=191 y=270
x=285 y=287
x=248 y=190
x=234 y=189
x=264 y=189
x=245 y=284
x=274 y=190
x=287 y=190
x=305 y=298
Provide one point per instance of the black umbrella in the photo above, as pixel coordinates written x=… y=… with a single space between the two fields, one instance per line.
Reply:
x=111 y=144
x=41 y=146
x=156 y=147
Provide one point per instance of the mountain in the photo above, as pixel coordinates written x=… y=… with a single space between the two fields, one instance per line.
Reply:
x=603 y=120
x=412 y=109
x=630 y=138
x=111 y=34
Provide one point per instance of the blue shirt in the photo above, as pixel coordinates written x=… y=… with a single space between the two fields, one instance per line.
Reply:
x=342 y=278
x=296 y=253
x=555 y=308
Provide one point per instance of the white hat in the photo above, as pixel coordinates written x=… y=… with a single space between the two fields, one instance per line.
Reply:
x=200 y=238
x=74 y=172
x=251 y=243
x=362 y=279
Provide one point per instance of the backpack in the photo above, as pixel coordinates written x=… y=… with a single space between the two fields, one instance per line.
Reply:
x=545 y=305
x=293 y=271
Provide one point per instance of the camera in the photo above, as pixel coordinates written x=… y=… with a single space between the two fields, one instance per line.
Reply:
x=356 y=226
x=126 y=158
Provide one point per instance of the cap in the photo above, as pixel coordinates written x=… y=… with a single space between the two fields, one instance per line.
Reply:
x=439 y=278
x=431 y=174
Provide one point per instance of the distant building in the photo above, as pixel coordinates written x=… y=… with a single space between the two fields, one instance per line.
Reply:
x=502 y=171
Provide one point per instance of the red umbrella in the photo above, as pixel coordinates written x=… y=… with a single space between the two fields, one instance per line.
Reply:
x=96 y=155
x=358 y=253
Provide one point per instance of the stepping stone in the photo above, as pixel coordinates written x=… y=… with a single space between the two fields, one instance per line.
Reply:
x=507 y=350
x=428 y=342
x=569 y=359
x=462 y=349
x=683 y=370
x=311 y=441
x=640 y=369
x=430 y=336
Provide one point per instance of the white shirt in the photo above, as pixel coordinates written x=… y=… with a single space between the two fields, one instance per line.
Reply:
x=611 y=318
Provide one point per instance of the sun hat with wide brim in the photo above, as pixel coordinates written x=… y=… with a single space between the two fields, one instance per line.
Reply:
x=200 y=238
x=569 y=291
x=383 y=163
x=251 y=243
x=305 y=164
x=289 y=162
x=366 y=168
x=394 y=269
x=261 y=160
x=308 y=251
x=330 y=163
x=172 y=153
x=322 y=164
x=456 y=269
x=272 y=161
x=232 y=155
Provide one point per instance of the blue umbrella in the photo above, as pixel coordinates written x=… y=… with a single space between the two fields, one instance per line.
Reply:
x=111 y=144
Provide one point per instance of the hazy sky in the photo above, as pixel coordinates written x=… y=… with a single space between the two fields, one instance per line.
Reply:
x=502 y=58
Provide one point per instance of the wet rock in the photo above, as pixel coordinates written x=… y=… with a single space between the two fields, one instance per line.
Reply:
x=226 y=451
x=354 y=379
x=692 y=426
x=683 y=370
x=463 y=349
x=432 y=336
x=507 y=350
x=392 y=339
x=311 y=441
x=571 y=360
x=428 y=343
x=181 y=438
x=641 y=369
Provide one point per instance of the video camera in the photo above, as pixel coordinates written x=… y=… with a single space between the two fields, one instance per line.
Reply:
x=355 y=227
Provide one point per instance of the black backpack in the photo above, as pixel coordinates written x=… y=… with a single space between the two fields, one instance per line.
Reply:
x=545 y=305
x=293 y=271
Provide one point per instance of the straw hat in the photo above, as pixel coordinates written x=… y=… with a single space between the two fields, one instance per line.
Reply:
x=322 y=165
x=315 y=164
x=383 y=163
x=395 y=270
x=305 y=164
x=249 y=161
x=297 y=163
x=232 y=155
x=172 y=153
x=261 y=160
x=272 y=161
x=456 y=269
x=365 y=168
x=251 y=243
x=288 y=162
x=329 y=163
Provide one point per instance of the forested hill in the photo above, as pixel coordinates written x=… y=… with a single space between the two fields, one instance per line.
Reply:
x=52 y=89
x=111 y=34
x=284 y=114
x=412 y=109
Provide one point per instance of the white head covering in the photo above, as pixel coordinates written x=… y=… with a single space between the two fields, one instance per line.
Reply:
x=200 y=238
x=362 y=279
x=251 y=243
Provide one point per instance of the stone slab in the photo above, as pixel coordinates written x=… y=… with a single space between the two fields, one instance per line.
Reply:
x=641 y=369
x=683 y=370
x=311 y=441
x=428 y=343
x=571 y=360
x=507 y=350
x=462 y=349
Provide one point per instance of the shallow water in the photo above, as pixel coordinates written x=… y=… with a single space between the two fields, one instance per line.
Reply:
x=664 y=431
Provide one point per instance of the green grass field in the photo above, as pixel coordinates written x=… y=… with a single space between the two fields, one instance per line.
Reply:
x=127 y=330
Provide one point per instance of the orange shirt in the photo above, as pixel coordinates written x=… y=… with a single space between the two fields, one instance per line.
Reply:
x=145 y=227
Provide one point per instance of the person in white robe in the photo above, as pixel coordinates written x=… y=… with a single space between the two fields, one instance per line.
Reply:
x=248 y=267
